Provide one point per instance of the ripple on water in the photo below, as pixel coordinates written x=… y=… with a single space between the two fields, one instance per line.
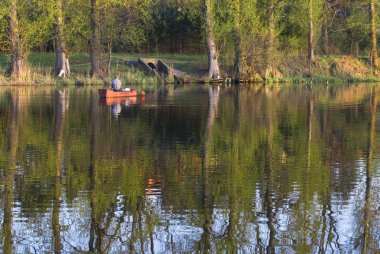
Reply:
x=252 y=168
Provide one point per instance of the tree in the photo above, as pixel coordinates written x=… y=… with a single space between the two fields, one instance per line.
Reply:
x=177 y=26
x=127 y=27
x=27 y=25
x=372 y=14
x=237 y=40
x=122 y=23
x=328 y=13
x=270 y=37
x=213 y=54
x=61 y=66
x=3 y=27
x=95 y=45
x=310 y=42
x=236 y=28
x=17 y=63
x=314 y=9
x=357 y=29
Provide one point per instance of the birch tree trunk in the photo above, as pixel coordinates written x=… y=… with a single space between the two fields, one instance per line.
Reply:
x=61 y=66
x=372 y=14
x=310 y=45
x=213 y=53
x=17 y=64
x=311 y=56
x=95 y=40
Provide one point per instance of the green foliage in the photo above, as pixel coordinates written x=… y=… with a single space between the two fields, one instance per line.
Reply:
x=35 y=23
x=76 y=25
x=269 y=30
x=243 y=18
x=3 y=27
x=128 y=26
x=177 y=21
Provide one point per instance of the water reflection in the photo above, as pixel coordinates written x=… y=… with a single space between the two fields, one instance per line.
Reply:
x=60 y=108
x=117 y=103
x=197 y=169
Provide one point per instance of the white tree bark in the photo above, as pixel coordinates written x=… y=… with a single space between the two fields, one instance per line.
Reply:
x=213 y=54
x=61 y=67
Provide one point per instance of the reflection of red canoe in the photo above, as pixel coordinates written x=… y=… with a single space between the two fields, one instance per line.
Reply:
x=108 y=93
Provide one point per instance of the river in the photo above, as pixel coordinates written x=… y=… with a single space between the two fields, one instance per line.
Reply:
x=248 y=169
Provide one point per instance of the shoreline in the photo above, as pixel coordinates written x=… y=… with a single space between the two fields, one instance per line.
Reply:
x=148 y=80
x=104 y=82
x=294 y=69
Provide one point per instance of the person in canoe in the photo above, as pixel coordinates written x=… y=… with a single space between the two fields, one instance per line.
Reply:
x=116 y=84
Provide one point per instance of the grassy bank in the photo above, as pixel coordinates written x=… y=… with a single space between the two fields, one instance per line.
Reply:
x=333 y=69
x=328 y=68
x=40 y=71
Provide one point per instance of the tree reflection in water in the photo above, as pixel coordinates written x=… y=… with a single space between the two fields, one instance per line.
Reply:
x=196 y=169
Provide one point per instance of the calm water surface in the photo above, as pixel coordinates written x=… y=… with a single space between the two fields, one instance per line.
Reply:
x=190 y=169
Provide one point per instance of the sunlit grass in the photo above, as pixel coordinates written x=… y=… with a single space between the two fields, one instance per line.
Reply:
x=40 y=71
x=194 y=67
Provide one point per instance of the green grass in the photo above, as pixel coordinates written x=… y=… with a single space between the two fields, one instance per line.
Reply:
x=41 y=64
x=293 y=70
x=41 y=68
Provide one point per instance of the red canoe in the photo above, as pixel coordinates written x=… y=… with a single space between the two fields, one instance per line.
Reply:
x=108 y=93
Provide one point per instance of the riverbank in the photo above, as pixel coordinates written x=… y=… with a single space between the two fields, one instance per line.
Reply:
x=327 y=68
x=40 y=68
x=333 y=69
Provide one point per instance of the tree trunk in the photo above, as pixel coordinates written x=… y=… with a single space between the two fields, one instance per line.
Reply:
x=109 y=57
x=325 y=29
x=270 y=38
x=17 y=64
x=213 y=54
x=325 y=47
x=372 y=14
x=61 y=66
x=95 y=40
x=237 y=61
x=310 y=38
x=156 y=40
x=357 y=49
x=237 y=41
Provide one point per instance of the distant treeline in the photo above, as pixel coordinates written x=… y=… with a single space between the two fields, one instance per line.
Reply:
x=252 y=35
